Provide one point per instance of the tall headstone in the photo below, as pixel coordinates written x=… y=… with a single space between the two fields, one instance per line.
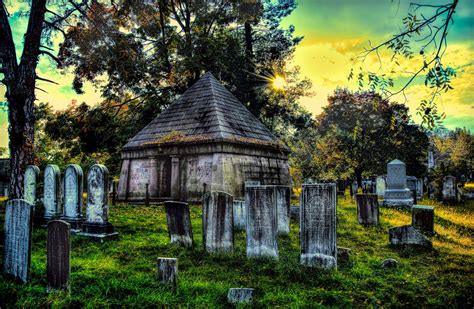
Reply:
x=59 y=255
x=318 y=225
x=168 y=271
x=29 y=183
x=367 y=209
x=449 y=188
x=240 y=214
x=97 y=225
x=217 y=222
x=179 y=223
x=73 y=188
x=282 y=200
x=380 y=186
x=423 y=218
x=18 y=230
x=52 y=192
x=262 y=223
x=397 y=194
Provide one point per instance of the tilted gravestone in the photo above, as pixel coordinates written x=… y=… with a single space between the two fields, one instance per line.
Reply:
x=380 y=185
x=97 y=225
x=240 y=214
x=167 y=271
x=449 y=189
x=423 y=218
x=59 y=255
x=217 y=222
x=262 y=225
x=29 y=183
x=282 y=200
x=52 y=192
x=318 y=225
x=367 y=209
x=178 y=219
x=73 y=188
x=18 y=230
x=397 y=194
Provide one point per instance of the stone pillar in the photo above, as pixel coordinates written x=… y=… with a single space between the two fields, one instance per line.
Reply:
x=52 y=192
x=318 y=225
x=262 y=222
x=59 y=255
x=30 y=180
x=217 y=222
x=153 y=182
x=167 y=271
x=367 y=209
x=175 y=186
x=18 y=229
x=423 y=218
x=178 y=219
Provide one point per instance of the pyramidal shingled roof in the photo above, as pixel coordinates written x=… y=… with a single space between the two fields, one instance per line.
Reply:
x=206 y=111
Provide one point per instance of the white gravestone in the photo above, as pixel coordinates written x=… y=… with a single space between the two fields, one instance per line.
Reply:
x=73 y=188
x=29 y=183
x=52 y=192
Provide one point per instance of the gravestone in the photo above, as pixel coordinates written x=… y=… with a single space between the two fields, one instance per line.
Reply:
x=240 y=296
x=449 y=189
x=18 y=230
x=411 y=184
x=380 y=185
x=367 y=209
x=97 y=225
x=73 y=188
x=282 y=200
x=59 y=255
x=262 y=224
x=52 y=192
x=318 y=225
x=295 y=212
x=408 y=235
x=217 y=222
x=354 y=188
x=240 y=214
x=423 y=218
x=167 y=271
x=178 y=219
x=397 y=194
x=29 y=183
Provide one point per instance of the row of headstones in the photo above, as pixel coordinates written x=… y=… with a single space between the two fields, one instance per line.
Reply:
x=267 y=214
x=66 y=203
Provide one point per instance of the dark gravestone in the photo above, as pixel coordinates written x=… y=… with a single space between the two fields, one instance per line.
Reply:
x=168 y=271
x=318 y=225
x=73 y=188
x=389 y=263
x=240 y=296
x=423 y=218
x=367 y=209
x=449 y=189
x=217 y=222
x=18 y=229
x=59 y=255
x=179 y=223
x=262 y=222
x=29 y=183
x=240 y=214
x=408 y=235
x=52 y=192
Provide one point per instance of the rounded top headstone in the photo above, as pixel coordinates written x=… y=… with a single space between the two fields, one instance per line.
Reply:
x=396 y=162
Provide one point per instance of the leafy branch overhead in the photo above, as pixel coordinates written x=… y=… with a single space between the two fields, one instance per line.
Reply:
x=422 y=42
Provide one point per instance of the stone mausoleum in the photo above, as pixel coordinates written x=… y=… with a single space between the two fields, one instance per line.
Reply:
x=206 y=140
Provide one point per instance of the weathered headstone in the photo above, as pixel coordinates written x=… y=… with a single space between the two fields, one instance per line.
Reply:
x=449 y=189
x=318 y=225
x=217 y=222
x=52 y=192
x=354 y=187
x=423 y=218
x=240 y=296
x=419 y=188
x=18 y=230
x=73 y=188
x=367 y=209
x=179 y=223
x=167 y=271
x=97 y=225
x=397 y=194
x=262 y=224
x=29 y=183
x=380 y=186
x=282 y=200
x=240 y=214
x=59 y=255
x=408 y=235
x=344 y=256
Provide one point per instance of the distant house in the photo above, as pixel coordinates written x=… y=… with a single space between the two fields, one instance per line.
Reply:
x=4 y=176
x=205 y=140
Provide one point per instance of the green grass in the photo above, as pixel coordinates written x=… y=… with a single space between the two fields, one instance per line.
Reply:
x=123 y=272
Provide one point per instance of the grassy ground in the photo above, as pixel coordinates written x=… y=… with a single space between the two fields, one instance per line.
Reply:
x=122 y=272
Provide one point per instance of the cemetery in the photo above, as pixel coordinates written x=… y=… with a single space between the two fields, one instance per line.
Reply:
x=208 y=154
